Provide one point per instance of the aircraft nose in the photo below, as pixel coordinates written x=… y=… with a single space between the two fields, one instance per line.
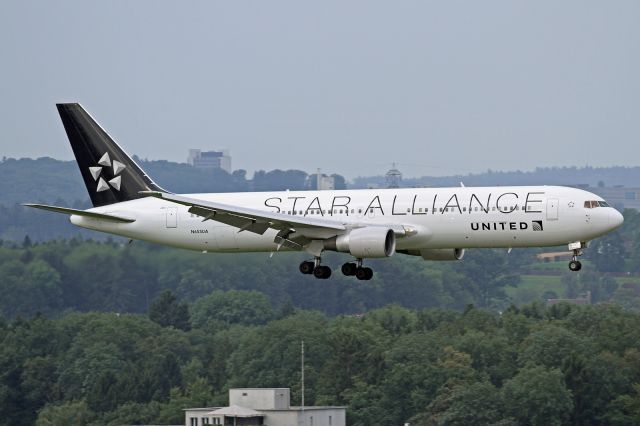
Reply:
x=615 y=218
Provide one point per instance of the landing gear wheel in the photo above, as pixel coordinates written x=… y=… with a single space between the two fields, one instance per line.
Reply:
x=322 y=272
x=306 y=267
x=575 y=265
x=349 y=269
x=364 y=273
x=368 y=273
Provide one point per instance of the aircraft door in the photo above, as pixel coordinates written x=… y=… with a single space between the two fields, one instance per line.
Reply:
x=552 y=209
x=172 y=217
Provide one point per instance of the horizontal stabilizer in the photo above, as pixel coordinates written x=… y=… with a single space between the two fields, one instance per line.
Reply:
x=93 y=215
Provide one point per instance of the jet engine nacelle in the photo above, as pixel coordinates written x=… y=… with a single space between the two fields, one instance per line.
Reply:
x=442 y=254
x=367 y=242
x=438 y=254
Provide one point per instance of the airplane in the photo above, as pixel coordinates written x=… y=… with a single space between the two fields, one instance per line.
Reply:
x=432 y=223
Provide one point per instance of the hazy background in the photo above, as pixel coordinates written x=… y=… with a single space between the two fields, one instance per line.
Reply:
x=439 y=87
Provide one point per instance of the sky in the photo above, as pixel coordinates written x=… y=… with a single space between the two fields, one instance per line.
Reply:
x=439 y=88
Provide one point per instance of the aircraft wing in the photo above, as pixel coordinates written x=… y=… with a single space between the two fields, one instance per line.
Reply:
x=253 y=220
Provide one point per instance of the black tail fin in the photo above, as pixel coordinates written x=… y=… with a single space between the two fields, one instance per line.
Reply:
x=111 y=176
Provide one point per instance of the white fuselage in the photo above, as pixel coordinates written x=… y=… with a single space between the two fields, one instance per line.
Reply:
x=456 y=217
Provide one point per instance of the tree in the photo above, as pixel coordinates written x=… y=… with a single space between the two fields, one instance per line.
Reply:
x=550 y=346
x=220 y=309
x=625 y=409
x=478 y=403
x=68 y=413
x=538 y=396
x=168 y=312
x=487 y=273
x=608 y=252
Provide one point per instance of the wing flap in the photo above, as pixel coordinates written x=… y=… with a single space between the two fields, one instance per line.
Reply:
x=243 y=222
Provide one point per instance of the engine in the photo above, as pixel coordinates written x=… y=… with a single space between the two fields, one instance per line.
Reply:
x=365 y=242
x=437 y=254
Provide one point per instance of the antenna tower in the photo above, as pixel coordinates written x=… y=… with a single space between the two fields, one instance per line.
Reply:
x=393 y=177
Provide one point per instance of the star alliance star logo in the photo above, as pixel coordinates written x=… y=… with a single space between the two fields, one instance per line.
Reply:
x=117 y=167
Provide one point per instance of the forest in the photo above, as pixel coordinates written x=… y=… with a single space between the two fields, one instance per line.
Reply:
x=529 y=365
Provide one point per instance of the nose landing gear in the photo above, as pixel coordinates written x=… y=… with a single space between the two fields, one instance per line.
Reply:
x=575 y=265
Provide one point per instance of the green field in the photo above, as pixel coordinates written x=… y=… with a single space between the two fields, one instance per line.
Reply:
x=532 y=287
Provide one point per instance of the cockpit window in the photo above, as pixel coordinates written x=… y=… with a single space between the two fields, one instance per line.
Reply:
x=594 y=204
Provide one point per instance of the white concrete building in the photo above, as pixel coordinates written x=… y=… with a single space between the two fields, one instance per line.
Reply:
x=264 y=407
x=210 y=159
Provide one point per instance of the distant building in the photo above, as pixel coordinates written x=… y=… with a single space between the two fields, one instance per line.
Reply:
x=322 y=182
x=210 y=159
x=264 y=407
x=556 y=256
x=584 y=299
x=619 y=197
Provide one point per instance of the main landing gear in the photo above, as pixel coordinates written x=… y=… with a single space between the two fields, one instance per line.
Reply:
x=356 y=269
x=323 y=272
x=319 y=271
x=575 y=265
